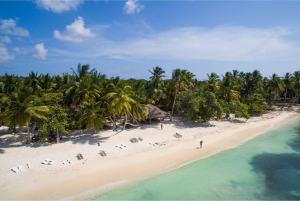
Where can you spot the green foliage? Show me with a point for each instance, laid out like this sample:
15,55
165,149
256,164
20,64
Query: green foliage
198,105
235,107
57,118
257,104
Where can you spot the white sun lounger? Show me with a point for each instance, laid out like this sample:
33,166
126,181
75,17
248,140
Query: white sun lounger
69,161
29,165
50,163
124,145
64,162
21,168
15,169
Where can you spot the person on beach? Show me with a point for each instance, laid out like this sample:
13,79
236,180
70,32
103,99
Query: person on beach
161,126
201,142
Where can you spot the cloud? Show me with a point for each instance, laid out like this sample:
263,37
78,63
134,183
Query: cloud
5,39
40,51
59,6
132,6
224,43
75,32
5,56
10,27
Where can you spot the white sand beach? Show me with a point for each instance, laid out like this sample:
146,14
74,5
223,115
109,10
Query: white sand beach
120,165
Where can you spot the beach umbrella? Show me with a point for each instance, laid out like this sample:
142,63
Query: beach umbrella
154,112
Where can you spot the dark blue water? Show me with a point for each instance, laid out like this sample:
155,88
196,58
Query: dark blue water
264,168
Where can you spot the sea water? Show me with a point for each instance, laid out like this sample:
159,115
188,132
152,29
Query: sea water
264,168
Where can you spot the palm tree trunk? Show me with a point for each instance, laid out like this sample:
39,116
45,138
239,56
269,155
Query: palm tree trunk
125,119
285,95
114,123
94,130
173,106
28,134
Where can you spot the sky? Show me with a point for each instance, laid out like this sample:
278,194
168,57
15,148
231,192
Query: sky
127,38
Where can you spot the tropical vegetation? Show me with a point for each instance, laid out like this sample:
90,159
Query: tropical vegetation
87,99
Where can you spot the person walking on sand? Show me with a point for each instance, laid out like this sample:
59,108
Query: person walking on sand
161,126
201,142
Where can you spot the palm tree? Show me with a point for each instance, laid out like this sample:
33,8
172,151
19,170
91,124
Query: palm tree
92,115
120,99
276,84
182,80
23,108
296,84
81,91
156,84
82,71
287,80
157,72
213,82
33,81
228,90
46,83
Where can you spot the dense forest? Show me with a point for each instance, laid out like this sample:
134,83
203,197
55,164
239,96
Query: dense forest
88,99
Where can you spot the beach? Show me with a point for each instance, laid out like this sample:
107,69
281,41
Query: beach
121,165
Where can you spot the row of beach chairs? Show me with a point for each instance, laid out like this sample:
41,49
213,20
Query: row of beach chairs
48,161
21,168
68,161
134,140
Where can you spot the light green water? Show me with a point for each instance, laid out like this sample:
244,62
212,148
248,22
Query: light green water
264,168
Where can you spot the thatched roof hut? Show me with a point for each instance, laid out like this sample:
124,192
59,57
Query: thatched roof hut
154,112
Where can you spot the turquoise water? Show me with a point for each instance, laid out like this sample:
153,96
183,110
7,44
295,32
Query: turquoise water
264,168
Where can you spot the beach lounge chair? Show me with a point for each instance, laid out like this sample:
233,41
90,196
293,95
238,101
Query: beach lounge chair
21,168
102,153
79,156
29,165
15,169
69,161
64,162
124,145
177,135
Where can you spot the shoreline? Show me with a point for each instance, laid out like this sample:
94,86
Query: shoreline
140,161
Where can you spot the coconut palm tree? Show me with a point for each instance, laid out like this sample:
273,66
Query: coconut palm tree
182,80
213,82
81,91
22,109
155,86
287,80
228,90
92,115
82,71
276,84
120,100
296,84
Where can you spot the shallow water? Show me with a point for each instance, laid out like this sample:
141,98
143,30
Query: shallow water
264,168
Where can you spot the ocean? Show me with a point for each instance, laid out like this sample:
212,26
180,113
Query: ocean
264,168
